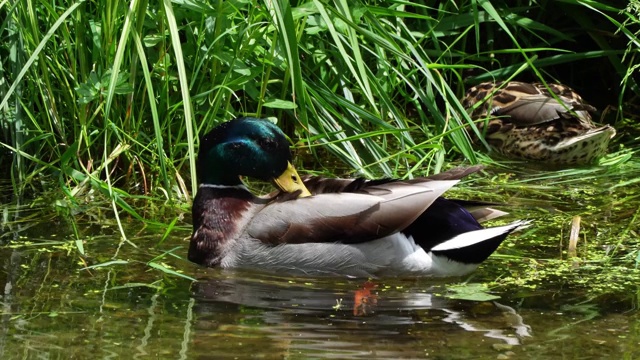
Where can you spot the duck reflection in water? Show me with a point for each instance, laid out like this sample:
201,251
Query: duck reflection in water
303,313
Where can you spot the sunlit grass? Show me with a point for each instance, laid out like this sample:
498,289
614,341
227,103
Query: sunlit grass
106,99
376,85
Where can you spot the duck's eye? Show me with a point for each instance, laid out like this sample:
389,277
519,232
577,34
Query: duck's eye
265,143
294,178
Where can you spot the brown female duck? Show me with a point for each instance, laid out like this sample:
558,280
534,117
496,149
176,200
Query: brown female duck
532,122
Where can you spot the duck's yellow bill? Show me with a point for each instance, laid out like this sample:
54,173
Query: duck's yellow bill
290,182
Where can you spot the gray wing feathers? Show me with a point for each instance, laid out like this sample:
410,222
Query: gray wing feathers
346,217
538,109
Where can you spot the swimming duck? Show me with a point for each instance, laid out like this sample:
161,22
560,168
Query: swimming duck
323,226
525,121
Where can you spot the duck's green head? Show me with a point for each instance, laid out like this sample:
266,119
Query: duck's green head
251,147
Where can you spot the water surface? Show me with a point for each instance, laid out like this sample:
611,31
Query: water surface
53,306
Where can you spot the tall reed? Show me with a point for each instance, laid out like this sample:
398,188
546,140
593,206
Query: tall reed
110,97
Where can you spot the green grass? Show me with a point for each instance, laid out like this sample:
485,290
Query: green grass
118,92
107,98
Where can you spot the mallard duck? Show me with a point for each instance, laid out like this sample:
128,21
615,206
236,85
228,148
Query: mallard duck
526,121
319,226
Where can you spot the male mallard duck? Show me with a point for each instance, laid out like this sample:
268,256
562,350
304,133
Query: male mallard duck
350,227
526,121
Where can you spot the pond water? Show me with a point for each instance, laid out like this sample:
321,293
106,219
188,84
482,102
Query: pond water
56,303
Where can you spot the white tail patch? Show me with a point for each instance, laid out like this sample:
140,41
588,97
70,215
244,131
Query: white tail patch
478,236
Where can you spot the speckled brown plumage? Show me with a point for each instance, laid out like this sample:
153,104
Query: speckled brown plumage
525,121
